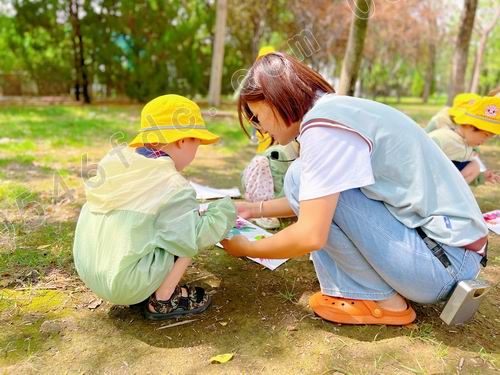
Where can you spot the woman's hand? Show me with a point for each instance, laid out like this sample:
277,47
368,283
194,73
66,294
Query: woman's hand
237,246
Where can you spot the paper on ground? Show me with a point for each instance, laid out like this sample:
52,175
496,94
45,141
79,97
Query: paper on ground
492,219
254,233
207,192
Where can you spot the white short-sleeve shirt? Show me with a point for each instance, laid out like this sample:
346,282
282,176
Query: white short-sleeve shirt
333,160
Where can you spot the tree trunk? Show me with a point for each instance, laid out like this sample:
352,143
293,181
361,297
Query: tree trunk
478,61
75,56
354,50
459,64
218,54
81,69
429,74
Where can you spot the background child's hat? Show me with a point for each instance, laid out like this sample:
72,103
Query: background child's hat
169,118
484,114
462,101
265,50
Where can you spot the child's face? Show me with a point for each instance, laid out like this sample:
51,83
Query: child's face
473,136
270,122
186,151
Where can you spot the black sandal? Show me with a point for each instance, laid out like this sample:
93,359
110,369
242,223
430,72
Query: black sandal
196,302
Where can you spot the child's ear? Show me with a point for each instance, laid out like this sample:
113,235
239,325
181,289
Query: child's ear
179,143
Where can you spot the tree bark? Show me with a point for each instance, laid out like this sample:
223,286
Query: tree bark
429,74
478,61
81,69
75,54
218,54
459,64
355,44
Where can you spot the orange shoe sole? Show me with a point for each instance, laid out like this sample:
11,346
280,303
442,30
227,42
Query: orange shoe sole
352,311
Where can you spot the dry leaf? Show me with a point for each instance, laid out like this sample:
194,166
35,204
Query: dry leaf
223,324
222,358
94,304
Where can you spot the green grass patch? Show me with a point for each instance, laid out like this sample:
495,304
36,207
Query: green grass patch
23,159
18,146
15,194
40,249
232,137
74,126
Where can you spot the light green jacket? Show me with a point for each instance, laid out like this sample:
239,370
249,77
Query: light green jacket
140,212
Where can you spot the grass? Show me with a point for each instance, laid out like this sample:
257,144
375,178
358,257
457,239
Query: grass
38,143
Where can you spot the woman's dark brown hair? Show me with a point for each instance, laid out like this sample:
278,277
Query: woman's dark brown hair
288,85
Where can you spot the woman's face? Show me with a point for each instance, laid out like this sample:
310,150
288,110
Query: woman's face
270,122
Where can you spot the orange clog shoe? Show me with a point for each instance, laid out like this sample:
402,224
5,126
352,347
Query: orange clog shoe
352,311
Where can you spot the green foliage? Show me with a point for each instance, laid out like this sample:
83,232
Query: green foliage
417,86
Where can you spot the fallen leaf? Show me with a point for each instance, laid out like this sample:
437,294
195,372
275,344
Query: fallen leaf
223,324
222,358
94,304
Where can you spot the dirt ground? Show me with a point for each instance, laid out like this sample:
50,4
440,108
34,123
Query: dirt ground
51,323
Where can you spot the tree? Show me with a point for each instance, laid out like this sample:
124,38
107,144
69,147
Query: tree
459,64
354,51
484,31
218,54
81,76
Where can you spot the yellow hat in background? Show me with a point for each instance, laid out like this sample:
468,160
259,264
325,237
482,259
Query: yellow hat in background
265,140
484,114
462,101
169,118
265,50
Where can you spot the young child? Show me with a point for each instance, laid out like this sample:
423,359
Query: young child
444,118
141,224
262,179
475,125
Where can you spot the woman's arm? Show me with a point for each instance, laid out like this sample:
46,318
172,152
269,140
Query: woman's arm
309,233
273,208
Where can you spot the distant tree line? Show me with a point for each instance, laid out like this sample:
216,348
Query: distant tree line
139,49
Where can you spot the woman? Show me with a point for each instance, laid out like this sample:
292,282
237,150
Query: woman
368,189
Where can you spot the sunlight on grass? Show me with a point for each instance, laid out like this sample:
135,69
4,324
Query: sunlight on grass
12,194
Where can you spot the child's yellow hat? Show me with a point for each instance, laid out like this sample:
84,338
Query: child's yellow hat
462,101
484,114
264,51
169,118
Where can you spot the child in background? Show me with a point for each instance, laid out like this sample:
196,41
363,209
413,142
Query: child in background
475,125
263,177
444,118
141,224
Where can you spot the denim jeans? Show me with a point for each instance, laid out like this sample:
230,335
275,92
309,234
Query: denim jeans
371,255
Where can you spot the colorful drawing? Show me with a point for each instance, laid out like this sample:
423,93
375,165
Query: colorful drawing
254,233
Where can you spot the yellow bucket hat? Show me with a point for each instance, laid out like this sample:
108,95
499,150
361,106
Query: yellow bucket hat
264,51
484,114
169,118
462,101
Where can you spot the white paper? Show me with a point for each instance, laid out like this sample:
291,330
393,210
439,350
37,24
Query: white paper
207,192
254,233
482,167
492,220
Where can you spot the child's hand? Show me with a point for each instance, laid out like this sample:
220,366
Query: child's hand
247,210
492,177
236,246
